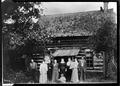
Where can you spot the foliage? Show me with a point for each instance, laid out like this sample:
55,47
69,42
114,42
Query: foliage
22,29
105,40
20,22
11,76
105,37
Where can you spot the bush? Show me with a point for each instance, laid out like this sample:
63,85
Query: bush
11,76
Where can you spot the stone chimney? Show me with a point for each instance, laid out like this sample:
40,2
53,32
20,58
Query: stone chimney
105,6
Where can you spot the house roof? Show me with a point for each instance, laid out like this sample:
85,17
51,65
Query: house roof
77,24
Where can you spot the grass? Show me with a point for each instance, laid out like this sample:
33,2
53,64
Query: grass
99,77
11,76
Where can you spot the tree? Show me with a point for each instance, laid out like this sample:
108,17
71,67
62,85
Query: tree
18,18
22,24
105,40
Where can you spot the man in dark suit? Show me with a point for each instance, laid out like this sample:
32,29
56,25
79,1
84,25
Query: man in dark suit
33,67
82,68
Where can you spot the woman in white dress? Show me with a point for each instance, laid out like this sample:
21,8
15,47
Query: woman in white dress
74,67
43,73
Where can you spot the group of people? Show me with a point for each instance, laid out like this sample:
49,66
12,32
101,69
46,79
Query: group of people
71,71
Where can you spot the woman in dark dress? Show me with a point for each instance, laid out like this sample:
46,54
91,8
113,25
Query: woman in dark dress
79,69
62,67
69,71
55,71
50,67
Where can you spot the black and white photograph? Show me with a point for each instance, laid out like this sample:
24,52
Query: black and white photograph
59,42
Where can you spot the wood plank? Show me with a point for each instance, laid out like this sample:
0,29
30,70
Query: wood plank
98,63
94,70
98,67
95,60
89,67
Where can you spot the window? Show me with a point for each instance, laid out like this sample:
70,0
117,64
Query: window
89,60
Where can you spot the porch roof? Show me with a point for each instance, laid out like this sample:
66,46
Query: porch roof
66,52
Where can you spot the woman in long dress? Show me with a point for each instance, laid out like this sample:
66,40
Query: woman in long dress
69,71
50,71
43,73
62,67
55,71
74,66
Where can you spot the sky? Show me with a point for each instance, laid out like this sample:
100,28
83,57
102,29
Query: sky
51,8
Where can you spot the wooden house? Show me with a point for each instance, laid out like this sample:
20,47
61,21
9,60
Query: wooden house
70,36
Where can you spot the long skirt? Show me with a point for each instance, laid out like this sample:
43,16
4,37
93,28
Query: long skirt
62,71
37,76
74,77
55,76
49,74
33,72
43,78
79,74
69,74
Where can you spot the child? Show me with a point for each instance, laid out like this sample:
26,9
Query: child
62,79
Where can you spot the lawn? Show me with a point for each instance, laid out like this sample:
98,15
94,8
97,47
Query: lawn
22,77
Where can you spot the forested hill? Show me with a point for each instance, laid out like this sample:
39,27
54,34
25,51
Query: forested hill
77,24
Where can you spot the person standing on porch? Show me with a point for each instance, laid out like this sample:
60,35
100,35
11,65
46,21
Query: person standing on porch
55,71
49,72
43,73
62,67
83,69
69,71
74,67
79,69
33,67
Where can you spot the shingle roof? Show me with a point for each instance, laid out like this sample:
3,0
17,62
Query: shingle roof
77,24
